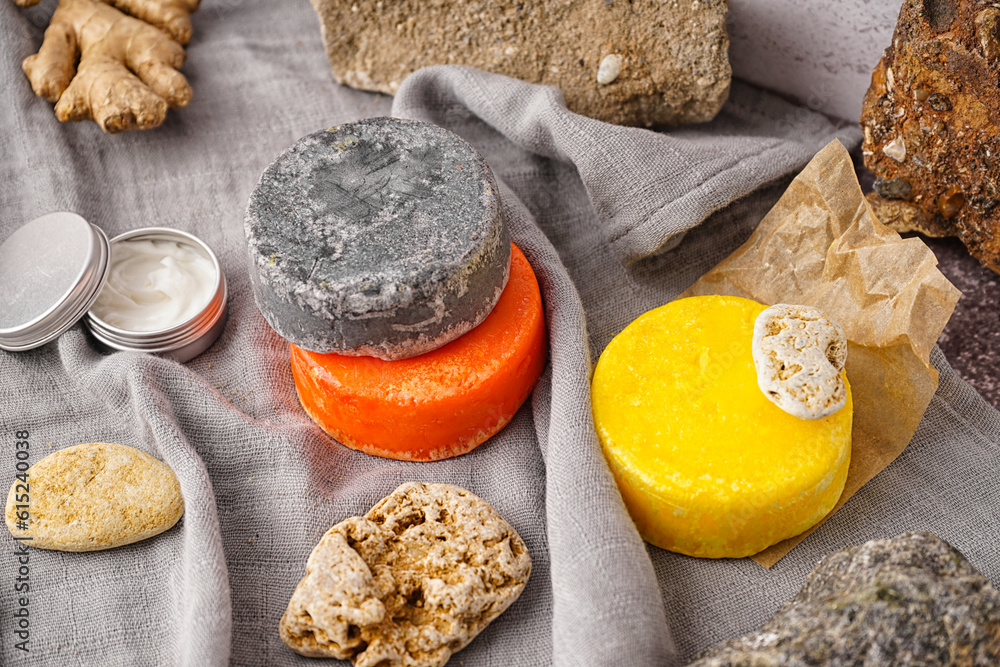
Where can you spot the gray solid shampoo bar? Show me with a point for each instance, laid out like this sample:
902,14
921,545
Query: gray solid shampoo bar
382,237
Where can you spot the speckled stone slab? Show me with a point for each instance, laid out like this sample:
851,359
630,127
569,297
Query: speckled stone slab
634,62
382,237
911,600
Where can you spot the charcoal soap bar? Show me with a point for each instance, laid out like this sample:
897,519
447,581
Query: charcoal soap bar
382,237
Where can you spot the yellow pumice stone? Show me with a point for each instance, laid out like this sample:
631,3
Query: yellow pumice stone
706,464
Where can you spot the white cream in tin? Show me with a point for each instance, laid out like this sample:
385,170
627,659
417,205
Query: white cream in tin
155,284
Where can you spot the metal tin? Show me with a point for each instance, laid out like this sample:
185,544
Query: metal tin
51,271
185,340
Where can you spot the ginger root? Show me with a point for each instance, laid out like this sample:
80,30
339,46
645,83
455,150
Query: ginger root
127,73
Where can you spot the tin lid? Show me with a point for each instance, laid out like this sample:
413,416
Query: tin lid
51,271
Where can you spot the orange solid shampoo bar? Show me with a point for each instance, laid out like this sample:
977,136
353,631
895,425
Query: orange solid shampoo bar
439,404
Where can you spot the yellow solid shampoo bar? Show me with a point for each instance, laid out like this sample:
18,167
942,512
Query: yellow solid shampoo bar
706,464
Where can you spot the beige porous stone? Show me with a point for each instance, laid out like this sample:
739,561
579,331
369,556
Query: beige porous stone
93,496
410,583
631,62
799,354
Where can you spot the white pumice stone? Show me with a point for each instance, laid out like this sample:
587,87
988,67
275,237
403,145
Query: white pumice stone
799,354
408,584
609,69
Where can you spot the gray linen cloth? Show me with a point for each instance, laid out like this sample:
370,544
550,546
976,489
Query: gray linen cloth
596,208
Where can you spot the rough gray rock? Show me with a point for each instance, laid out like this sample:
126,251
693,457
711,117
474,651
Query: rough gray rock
382,237
631,62
931,121
911,600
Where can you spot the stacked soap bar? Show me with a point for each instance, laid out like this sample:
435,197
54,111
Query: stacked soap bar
376,248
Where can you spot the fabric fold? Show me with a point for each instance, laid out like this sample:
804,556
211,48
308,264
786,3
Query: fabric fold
599,563
646,187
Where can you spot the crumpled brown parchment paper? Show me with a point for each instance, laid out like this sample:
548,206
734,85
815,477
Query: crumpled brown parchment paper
822,246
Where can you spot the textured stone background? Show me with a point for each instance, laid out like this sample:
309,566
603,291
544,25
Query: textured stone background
820,53
971,340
